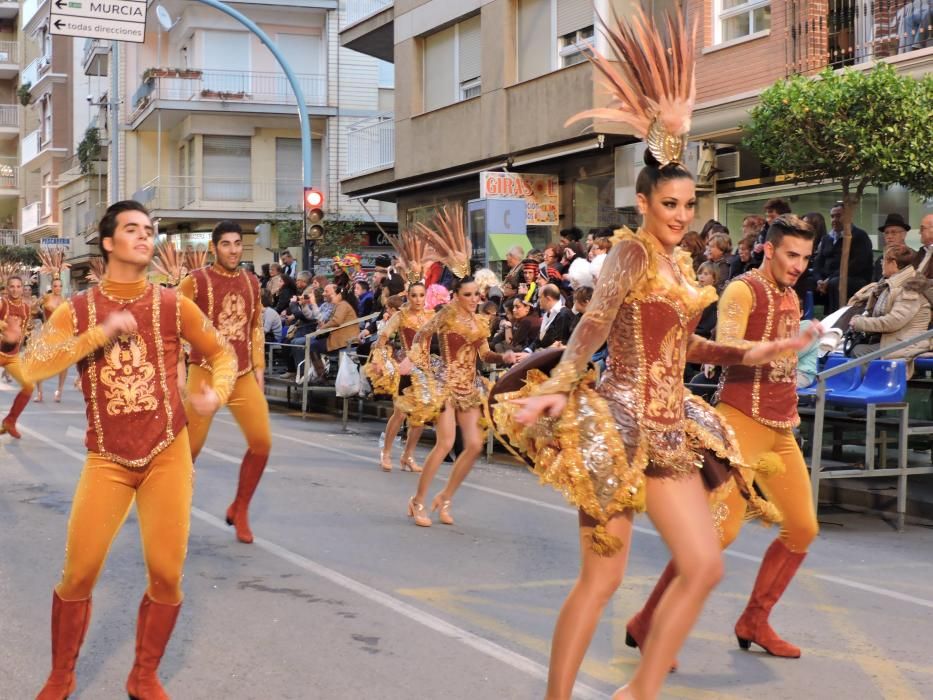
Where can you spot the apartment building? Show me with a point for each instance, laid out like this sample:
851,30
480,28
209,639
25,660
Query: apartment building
486,85
209,125
10,117
748,46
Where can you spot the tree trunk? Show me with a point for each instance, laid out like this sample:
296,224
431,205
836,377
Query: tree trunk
849,202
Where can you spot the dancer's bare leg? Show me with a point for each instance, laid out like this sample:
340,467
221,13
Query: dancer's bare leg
392,427
446,428
679,509
598,580
472,437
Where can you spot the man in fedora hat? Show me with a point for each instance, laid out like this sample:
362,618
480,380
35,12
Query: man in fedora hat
894,229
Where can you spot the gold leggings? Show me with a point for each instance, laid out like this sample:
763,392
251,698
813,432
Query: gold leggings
788,490
14,368
102,501
248,405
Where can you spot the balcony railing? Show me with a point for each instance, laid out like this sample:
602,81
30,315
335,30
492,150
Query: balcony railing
9,116
230,86
30,217
9,52
30,146
30,8
371,144
9,174
206,193
856,31
9,236
360,9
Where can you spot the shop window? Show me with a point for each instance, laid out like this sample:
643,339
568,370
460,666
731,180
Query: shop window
736,19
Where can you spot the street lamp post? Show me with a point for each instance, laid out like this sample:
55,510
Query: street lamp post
303,120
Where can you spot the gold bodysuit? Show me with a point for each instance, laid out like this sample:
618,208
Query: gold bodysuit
382,368
463,339
639,420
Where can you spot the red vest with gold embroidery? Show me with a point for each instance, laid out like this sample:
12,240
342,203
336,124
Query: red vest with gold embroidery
134,409
10,311
767,393
229,301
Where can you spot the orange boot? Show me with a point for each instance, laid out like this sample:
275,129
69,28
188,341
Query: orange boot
251,470
636,631
70,619
777,569
153,629
19,404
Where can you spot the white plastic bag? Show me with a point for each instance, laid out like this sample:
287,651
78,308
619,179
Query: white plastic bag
366,387
348,377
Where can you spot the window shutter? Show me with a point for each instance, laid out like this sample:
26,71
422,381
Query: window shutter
439,69
471,41
227,168
573,15
535,41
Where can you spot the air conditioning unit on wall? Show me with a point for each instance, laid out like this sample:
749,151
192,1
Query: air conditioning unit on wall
727,166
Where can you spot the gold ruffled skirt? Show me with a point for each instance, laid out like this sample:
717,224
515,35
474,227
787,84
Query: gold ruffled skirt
598,456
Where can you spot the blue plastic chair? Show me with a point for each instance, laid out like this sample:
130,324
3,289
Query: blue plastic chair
884,382
923,364
844,382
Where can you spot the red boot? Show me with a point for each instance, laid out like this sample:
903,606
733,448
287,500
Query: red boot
777,569
636,631
19,404
153,629
251,470
70,619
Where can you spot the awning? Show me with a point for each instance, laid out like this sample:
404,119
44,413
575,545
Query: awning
499,244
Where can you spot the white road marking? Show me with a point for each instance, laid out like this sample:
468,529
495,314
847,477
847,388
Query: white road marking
73,432
868,588
232,460
480,644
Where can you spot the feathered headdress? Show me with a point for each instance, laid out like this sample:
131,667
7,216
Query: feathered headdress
97,269
169,263
8,269
53,262
412,252
651,81
195,257
448,238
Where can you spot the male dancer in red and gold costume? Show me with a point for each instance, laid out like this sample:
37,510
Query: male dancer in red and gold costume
126,336
760,403
229,297
15,311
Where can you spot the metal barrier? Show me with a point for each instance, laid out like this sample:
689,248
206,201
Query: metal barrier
307,347
818,473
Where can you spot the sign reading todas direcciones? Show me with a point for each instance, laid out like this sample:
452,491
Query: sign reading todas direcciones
117,20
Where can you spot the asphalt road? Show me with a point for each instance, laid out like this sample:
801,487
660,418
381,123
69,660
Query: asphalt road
342,597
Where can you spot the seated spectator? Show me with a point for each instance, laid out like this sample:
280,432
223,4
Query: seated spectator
513,265
773,208
528,288
364,298
709,275
894,229
488,285
578,267
896,307
373,327
271,321
581,299
288,289
752,225
522,330
718,250
568,236
303,317
741,262
603,245
828,261
437,295
556,319
554,257
344,312
490,310
807,359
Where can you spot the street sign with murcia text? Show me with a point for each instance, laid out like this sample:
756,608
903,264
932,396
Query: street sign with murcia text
116,20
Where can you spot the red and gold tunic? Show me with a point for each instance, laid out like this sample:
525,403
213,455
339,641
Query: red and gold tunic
382,368
17,312
231,301
639,420
48,304
464,339
134,409
754,309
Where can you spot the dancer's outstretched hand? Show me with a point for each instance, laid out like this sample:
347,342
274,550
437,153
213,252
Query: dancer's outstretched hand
762,353
205,402
550,405
119,323
404,367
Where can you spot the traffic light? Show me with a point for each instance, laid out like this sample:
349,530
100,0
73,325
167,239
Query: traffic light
314,213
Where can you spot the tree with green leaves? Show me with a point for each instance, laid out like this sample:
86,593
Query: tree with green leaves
858,128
